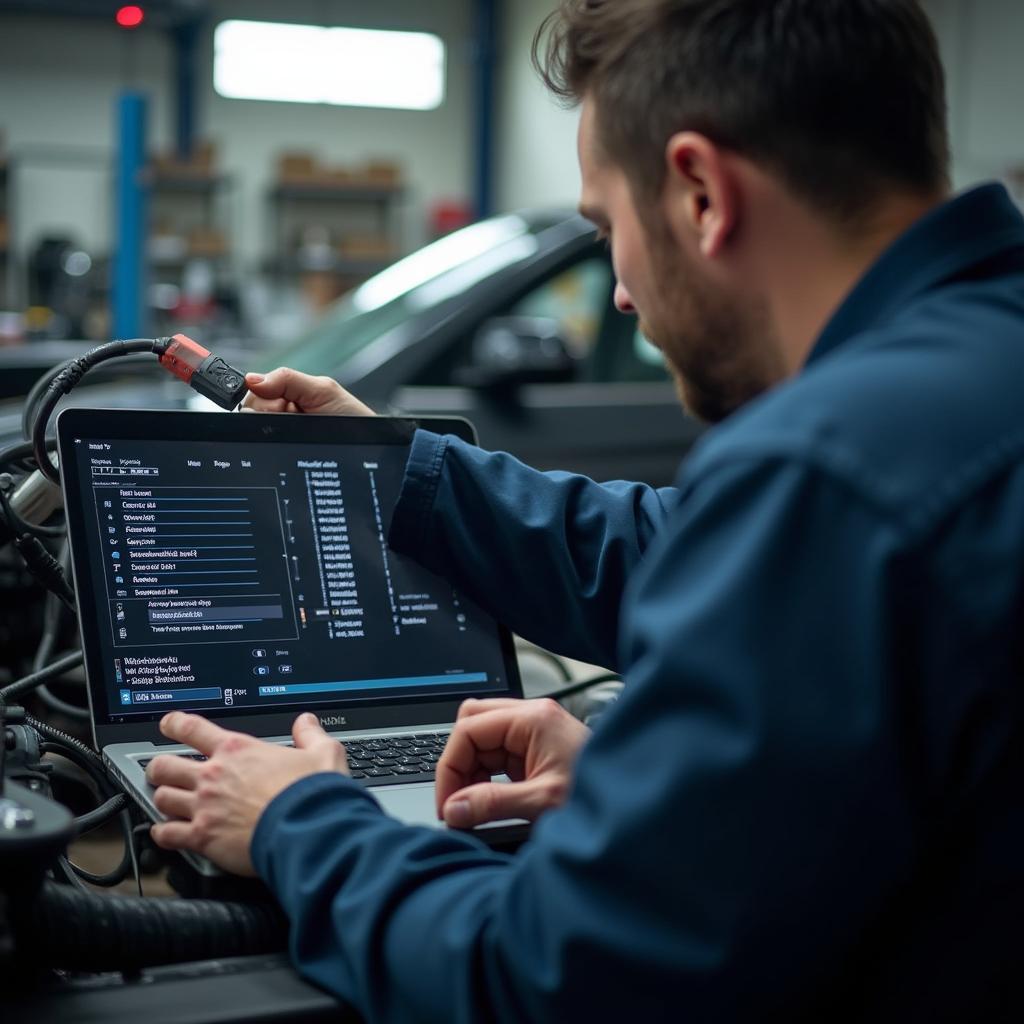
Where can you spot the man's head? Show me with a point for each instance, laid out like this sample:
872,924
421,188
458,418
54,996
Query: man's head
707,124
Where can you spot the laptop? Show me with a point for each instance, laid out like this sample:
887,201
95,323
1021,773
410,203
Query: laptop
237,566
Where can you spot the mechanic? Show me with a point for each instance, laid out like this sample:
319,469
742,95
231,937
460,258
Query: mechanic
809,799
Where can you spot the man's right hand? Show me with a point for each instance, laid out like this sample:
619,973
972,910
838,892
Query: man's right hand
285,390
534,742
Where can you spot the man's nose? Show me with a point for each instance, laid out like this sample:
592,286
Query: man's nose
623,300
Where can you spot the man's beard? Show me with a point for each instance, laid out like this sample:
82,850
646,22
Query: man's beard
719,348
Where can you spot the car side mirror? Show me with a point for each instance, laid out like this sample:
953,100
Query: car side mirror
514,350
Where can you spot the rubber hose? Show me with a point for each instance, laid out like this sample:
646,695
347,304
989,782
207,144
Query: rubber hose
72,930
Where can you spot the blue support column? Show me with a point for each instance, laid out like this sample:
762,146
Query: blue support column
129,278
186,45
485,52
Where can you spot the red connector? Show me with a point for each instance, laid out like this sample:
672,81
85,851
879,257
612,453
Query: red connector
206,373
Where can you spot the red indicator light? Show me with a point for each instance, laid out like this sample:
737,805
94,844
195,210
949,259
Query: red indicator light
130,16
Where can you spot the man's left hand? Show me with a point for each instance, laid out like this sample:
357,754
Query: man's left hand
215,804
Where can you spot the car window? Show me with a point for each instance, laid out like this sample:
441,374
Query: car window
622,353
577,298
609,344
414,284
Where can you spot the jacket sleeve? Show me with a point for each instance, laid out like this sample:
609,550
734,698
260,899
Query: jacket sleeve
738,821
547,554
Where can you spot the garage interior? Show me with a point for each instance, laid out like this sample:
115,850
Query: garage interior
383,194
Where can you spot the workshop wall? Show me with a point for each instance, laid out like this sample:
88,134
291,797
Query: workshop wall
536,143
433,147
981,49
59,78
980,41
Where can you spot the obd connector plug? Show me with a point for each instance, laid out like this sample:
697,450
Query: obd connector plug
211,376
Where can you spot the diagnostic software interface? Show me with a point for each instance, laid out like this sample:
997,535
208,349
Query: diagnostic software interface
229,576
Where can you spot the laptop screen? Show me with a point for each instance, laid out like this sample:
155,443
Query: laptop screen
238,565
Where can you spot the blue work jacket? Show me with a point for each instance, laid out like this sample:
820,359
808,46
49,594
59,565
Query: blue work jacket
809,801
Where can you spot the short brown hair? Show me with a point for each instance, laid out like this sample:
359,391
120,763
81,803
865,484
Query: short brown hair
841,99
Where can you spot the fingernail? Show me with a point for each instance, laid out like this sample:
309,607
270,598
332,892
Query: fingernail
308,718
255,378
457,814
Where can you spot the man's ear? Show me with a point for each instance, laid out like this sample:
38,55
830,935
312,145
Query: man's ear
700,191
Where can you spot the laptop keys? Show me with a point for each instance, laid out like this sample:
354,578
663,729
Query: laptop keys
189,757
384,760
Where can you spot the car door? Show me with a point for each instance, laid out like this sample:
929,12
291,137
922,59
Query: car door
614,415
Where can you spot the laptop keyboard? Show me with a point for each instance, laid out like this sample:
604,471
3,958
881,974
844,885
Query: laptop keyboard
383,760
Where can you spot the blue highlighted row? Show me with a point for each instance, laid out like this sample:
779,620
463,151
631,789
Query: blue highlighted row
170,696
372,684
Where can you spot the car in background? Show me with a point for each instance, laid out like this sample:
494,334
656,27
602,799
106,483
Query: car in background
509,322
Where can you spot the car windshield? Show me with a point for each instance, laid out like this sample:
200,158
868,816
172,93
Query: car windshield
439,271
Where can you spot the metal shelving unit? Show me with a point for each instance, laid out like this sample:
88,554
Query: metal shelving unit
342,211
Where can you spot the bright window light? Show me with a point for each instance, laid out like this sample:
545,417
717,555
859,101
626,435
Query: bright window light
262,60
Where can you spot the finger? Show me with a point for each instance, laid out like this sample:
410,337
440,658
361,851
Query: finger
171,770
196,731
254,403
292,386
307,731
493,801
175,803
475,706
478,743
174,835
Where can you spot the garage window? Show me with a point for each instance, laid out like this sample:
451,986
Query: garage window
261,60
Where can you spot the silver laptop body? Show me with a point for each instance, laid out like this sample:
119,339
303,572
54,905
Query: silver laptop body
236,566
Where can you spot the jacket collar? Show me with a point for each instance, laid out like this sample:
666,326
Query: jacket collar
945,243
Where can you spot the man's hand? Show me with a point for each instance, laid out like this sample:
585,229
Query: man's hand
285,390
217,803
534,742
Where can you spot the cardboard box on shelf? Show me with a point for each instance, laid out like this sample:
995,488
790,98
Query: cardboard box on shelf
382,172
207,242
204,154
296,166
300,168
200,164
366,247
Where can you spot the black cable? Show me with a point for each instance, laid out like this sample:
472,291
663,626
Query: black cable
51,626
87,759
583,684
45,568
28,411
137,832
63,707
34,679
101,815
67,870
47,642
118,874
135,860
94,769
20,451
63,380
3,742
